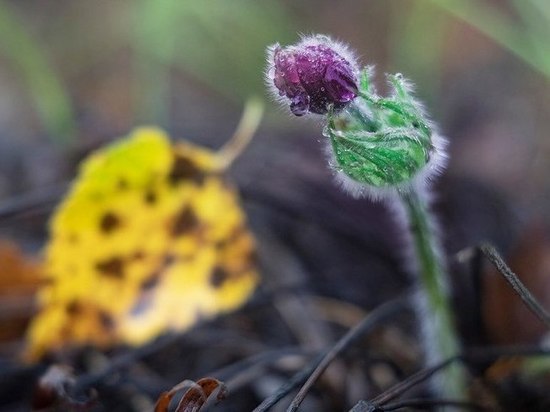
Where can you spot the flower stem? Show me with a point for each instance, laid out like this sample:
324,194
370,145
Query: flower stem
434,307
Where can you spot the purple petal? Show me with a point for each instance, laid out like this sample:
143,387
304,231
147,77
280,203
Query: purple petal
340,83
313,76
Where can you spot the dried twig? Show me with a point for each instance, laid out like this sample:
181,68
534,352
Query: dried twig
381,313
195,397
312,371
413,380
295,381
538,310
473,355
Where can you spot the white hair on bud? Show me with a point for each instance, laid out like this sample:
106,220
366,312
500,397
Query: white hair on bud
339,47
269,75
438,156
353,187
423,178
435,166
404,199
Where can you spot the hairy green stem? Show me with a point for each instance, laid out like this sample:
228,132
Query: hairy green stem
435,308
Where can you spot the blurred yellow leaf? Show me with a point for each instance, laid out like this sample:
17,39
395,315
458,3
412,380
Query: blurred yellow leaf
151,238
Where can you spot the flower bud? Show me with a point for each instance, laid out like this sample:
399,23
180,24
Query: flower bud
397,150
313,75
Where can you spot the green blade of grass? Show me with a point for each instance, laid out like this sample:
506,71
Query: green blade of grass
499,28
419,24
154,34
49,96
219,44
537,26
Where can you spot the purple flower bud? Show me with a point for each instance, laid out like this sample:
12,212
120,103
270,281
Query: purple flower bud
313,74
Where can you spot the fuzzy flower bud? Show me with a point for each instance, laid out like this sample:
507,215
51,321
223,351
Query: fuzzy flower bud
313,75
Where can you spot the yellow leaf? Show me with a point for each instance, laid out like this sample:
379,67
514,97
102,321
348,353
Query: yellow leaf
150,238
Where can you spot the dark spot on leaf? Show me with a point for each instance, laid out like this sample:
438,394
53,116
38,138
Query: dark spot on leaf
65,332
169,259
184,222
415,125
235,234
73,308
47,280
184,169
111,267
122,184
106,320
138,255
153,279
150,197
109,222
222,244
150,282
218,276
72,238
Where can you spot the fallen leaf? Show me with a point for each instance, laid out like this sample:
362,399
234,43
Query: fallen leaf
194,397
19,279
151,238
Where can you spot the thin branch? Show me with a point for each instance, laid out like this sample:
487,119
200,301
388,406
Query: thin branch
365,406
296,380
413,380
473,355
381,313
538,310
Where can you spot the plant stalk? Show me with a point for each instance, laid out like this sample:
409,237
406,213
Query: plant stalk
434,306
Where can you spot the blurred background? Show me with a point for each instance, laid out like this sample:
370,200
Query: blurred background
75,74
